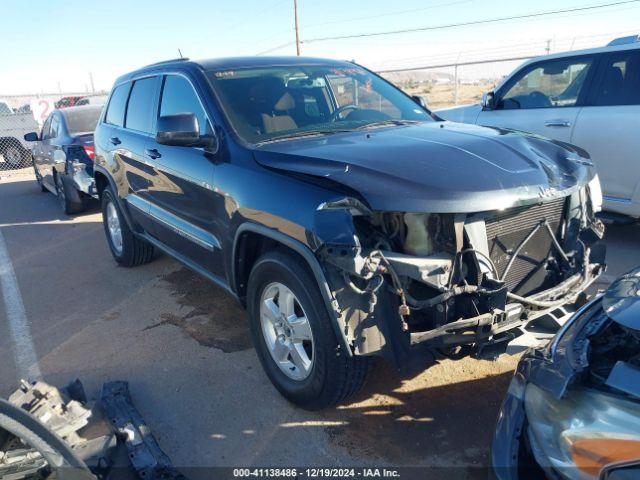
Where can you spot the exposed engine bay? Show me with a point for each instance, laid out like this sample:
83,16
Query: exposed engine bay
466,284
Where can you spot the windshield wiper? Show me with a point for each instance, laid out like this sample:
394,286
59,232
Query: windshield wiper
383,123
307,133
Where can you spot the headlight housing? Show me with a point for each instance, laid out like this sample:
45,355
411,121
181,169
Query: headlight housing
582,433
595,194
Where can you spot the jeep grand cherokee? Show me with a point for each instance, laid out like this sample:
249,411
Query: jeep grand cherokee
347,218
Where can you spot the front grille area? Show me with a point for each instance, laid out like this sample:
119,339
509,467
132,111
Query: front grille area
506,230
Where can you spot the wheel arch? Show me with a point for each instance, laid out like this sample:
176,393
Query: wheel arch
252,240
103,180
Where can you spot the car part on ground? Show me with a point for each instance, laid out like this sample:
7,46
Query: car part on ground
573,407
149,461
48,432
411,230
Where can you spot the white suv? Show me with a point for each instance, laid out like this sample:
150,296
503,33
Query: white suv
590,98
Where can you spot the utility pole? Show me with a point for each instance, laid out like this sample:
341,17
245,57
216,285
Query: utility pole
295,14
93,88
548,49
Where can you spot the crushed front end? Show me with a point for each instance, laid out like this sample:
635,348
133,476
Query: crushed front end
466,284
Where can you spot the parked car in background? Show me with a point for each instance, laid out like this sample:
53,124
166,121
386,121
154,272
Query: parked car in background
63,155
573,408
92,100
14,151
345,217
66,102
590,98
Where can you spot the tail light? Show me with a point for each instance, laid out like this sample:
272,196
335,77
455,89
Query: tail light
90,151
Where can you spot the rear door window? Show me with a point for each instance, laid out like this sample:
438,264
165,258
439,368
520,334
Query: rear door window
115,110
619,82
551,84
178,96
141,103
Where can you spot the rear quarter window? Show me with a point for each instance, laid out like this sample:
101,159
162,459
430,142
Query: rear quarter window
117,104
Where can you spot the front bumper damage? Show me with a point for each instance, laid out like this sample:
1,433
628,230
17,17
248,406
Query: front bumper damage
375,289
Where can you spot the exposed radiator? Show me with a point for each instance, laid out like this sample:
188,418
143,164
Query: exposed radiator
506,230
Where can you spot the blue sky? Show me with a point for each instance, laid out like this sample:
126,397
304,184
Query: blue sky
50,42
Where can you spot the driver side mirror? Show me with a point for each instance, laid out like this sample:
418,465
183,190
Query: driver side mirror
31,137
182,130
420,100
488,99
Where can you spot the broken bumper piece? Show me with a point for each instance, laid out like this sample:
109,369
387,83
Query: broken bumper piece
46,430
149,461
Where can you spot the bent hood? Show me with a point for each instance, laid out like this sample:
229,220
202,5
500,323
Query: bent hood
438,167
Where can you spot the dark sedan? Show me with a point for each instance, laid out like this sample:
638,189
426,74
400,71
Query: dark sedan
63,155
573,408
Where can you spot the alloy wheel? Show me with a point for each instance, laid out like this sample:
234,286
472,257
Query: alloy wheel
287,331
62,199
114,228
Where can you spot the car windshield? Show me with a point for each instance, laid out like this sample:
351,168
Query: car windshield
81,120
277,103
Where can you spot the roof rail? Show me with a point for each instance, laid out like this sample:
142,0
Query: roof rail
181,59
624,41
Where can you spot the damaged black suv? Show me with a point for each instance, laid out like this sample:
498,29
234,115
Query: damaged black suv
347,218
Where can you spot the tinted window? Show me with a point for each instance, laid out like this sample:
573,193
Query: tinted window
620,84
556,83
81,120
139,109
115,112
178,96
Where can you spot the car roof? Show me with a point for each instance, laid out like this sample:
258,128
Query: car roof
589,51
231,63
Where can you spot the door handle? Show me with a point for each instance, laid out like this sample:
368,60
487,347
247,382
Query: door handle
557,123
152,153
115,140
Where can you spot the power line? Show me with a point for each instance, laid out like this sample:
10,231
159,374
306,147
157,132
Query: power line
474,22
388,14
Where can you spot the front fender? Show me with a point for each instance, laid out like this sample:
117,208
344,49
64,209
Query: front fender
311,261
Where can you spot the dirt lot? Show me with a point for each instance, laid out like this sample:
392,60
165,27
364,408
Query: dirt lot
442,96
184,346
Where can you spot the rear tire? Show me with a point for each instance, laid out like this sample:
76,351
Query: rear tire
127,249
333,375
15,155
68,197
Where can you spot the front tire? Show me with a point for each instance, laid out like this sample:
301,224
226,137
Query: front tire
294,337
127,249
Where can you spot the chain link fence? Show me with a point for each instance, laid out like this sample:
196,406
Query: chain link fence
22,114
448,85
